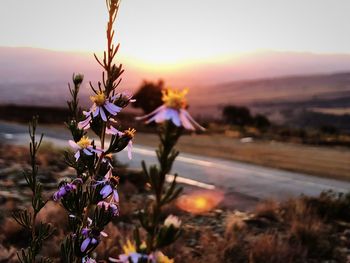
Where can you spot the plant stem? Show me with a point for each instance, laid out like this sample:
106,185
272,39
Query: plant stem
169,135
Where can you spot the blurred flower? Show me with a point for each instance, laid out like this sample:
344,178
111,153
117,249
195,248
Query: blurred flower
84,145
174,109
172,220
143,245
130,255
65,189
101,104
161,258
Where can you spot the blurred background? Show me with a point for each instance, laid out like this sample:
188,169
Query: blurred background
270,81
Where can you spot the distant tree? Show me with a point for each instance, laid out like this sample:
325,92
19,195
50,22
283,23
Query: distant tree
237,115
149,96
261,122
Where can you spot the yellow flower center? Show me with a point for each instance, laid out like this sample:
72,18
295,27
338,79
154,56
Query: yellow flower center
175,99
99,98
129,248
84,142
130,133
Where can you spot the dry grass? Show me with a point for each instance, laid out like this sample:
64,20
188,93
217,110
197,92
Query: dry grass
268,209
270,247
321,161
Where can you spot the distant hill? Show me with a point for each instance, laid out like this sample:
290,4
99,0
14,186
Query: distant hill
279,84
319,90
301,101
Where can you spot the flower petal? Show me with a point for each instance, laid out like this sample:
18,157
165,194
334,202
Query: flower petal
175,117
77,155
106,191
185,122
87,152
85,124
113,131
85,244
103,114
192,120
96,111
151,114
130,149
162,116
104,234
115,196
74,145
113,109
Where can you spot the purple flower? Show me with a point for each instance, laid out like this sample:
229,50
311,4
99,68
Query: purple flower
109,182
65,189
92,237
130,133
109,206
84,145
113,131
174,110
101,106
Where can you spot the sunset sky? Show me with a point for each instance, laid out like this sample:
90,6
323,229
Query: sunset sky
164,32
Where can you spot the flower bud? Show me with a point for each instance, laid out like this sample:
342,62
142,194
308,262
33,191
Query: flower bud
78,79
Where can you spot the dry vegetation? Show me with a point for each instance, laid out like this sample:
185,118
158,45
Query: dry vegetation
305,229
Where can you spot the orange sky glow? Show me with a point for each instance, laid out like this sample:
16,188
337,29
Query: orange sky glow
167,35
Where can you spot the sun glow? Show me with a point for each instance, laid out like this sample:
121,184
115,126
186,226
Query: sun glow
200,202
166,36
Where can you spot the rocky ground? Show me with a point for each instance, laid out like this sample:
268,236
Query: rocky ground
217,227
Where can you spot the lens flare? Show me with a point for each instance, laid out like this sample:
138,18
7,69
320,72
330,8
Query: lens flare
200,202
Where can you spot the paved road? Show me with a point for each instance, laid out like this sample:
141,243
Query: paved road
248,179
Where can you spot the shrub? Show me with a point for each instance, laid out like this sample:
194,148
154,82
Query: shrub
331,205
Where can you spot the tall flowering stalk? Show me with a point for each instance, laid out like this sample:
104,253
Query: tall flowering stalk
91,198
39,231
172,118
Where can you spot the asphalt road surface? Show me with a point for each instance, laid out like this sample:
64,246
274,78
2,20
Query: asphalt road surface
208,173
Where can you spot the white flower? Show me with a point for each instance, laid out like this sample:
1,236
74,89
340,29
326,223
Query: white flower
172,220
174,109
99,108
83,145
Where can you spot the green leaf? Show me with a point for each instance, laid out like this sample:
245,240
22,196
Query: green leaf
24,218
